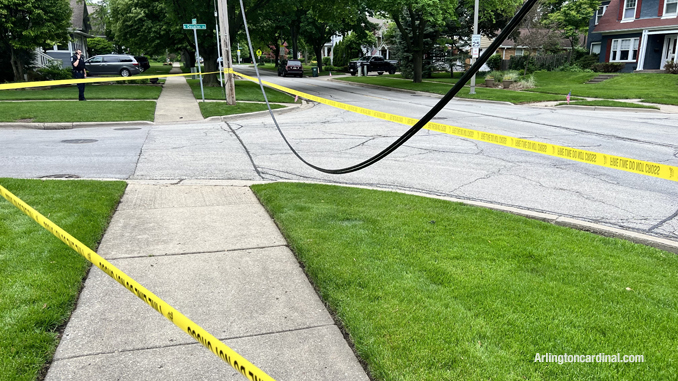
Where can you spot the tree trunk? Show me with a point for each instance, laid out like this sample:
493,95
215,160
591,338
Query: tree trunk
527,62
188,58
277,52
318,55
417,62
295,38
210,56
17,67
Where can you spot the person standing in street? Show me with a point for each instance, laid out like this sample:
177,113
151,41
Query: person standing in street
79,72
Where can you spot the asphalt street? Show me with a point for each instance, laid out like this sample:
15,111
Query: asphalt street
431,162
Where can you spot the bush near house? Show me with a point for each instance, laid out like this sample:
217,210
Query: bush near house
53,72
494,62
608,67
671,67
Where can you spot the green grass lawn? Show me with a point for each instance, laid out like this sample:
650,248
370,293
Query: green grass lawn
157,69
91,92
209,109
607,103
244,91
653,88
74,111
434,290
515,97
41,276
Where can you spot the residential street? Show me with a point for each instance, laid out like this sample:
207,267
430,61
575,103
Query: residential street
431,162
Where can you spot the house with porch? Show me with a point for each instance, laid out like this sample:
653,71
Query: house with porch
78,33
641,34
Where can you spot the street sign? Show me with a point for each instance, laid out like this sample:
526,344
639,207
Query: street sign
258,52
475,45
195,26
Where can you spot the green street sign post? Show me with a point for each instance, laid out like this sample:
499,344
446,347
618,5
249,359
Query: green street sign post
195,26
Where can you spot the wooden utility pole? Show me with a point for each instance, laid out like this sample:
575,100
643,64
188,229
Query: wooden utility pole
226,52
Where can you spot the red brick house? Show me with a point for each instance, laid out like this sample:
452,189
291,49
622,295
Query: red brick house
642,34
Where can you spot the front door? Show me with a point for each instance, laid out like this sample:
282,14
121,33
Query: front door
669,52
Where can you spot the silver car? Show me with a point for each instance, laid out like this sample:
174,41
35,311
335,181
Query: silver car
115,64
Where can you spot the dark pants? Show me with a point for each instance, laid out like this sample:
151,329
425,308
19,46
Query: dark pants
81,86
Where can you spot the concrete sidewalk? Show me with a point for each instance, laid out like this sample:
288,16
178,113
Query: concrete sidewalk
176,102
210,250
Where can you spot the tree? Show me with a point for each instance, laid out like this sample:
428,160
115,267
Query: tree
421,14
533,35
27,24
571,17
99,45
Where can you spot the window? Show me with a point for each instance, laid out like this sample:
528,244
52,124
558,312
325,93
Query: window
600,12
595,48
624,50
519,52
670,7
629,9
112,59
97,59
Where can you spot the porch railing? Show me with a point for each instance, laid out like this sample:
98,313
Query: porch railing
43,60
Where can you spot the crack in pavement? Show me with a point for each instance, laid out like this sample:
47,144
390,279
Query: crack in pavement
662,222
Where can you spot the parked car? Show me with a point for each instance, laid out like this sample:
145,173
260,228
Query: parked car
373,63
143,63
292,67
116,64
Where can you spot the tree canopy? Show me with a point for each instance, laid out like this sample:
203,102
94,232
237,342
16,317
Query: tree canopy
27,24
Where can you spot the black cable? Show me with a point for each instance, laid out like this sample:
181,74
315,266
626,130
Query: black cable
429,115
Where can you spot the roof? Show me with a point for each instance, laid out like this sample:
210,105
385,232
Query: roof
609,22
79,19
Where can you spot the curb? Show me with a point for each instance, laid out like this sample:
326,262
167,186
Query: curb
250,115
71,125
605,108
569,222
421,93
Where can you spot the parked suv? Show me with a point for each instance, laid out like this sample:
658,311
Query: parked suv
292,67
121,64
144,64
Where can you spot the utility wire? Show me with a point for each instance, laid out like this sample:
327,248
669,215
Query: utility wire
527,6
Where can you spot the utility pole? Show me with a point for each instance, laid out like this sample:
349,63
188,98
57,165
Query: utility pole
221,71
474,52
226,52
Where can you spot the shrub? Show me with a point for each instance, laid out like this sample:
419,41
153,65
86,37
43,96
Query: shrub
587,61
53,72
570,68
671,67
608,67
511,76
525,83
327,61
494,62
498,76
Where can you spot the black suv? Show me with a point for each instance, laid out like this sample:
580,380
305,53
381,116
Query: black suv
121,64
143,63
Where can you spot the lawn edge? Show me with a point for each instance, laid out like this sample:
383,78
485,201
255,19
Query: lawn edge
333,314
554,219
42,373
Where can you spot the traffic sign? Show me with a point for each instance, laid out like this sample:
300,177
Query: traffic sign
258,52
195,26
475,45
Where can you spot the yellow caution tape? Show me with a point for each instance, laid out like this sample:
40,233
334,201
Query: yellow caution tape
647,168
25,85
210,342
